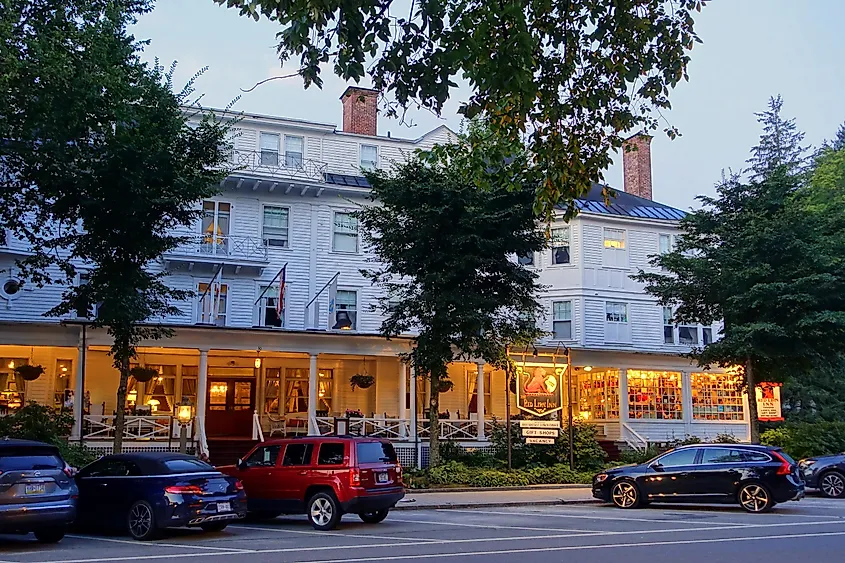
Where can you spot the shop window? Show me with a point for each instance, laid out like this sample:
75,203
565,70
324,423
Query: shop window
716,396
160,391
562,320
615,248
560,246
598,394
654,395
472,386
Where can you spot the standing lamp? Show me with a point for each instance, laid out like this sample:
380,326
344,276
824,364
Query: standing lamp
184,414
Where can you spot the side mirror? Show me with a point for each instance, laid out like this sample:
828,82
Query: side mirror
240,464
657,466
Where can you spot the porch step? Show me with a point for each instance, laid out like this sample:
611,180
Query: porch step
226,451
611,448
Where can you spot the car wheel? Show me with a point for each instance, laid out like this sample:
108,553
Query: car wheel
832,484
142,521
323,511
50,535
214,526
755,498
625,494
374,517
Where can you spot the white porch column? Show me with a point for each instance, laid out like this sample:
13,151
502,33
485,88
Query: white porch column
479,402
623,405
413,414
312,396
202,398
79,389
403,391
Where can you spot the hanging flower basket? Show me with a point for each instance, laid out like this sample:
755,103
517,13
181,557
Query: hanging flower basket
354,413
28,372
361,380
445,385
143,374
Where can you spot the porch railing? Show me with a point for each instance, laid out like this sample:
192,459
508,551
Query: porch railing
228,246
400,429
633,438
101,427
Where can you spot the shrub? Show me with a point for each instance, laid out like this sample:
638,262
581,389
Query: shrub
807,439
44,424
589,455
637,457
453,473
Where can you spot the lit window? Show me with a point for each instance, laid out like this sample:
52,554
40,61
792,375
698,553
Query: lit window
716,396
269,315
654,395
347,309
212,304
296,391
160,391
598,395
369,157
668,327
560,246
614,238
562,320
63,392
615,249
617,328
190,375
345,233
269,149
294,149
275,226
472,386
272,384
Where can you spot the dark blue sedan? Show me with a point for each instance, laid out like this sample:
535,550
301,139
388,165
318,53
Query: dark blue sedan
147,492
825,473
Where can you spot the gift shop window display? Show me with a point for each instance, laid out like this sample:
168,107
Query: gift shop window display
598,394
654,395
12,386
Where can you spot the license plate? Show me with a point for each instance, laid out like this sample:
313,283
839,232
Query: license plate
381,477
39,489
224,507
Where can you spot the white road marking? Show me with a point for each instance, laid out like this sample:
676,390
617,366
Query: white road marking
157,544
571,548
584,516
493,527
335,534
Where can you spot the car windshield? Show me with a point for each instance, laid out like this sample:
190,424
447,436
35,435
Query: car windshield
376,452
187,466
27,461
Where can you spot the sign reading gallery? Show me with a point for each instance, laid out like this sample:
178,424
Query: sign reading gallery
538,389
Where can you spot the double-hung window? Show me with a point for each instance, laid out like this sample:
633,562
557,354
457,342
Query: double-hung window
665,245
617,327
369,157
269,313
615,248
346,302
294,150
212,304
688,335
562,320
274,229
668,327
269,155
345,232
560,245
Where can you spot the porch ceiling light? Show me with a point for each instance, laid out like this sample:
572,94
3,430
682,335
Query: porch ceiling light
185,411
12,364
588,368
343,321
257,363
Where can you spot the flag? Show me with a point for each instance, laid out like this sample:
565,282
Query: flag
331,317
280,302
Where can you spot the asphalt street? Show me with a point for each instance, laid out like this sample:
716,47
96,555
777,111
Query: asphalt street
811,529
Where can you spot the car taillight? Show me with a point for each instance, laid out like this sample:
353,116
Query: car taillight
183,490
785,467
398,469
239,486
354,477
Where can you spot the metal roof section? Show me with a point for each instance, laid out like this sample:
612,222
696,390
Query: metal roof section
347,180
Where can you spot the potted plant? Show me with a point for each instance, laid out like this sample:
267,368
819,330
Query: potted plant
363,381
29,372
445,385
143,374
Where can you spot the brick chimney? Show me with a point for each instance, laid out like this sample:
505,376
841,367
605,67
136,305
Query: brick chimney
359,110
636,160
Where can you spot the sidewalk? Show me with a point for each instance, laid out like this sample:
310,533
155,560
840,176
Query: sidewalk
421,500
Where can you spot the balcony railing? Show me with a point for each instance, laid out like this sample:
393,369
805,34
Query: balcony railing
279,164
220,246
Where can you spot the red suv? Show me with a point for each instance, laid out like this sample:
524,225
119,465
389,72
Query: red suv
322,477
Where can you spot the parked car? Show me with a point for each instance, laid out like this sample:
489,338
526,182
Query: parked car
147,492
37,491
826,473
322,477
757,477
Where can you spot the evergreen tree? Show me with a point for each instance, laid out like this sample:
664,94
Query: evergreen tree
780,144
838,142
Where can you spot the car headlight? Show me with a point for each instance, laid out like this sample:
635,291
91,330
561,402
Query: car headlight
601,477
806,463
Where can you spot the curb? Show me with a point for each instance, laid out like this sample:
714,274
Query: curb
464,505
482,489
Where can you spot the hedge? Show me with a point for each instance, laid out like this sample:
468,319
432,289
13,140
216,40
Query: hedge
453,473
806,439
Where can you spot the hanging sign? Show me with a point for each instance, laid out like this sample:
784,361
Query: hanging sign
540,432
546,441
539,424
538,388
768,402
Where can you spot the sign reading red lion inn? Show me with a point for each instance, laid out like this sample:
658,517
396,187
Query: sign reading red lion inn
539,389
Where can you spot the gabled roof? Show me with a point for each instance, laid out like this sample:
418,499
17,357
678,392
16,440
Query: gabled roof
623,204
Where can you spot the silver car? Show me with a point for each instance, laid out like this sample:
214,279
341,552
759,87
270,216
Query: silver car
37,491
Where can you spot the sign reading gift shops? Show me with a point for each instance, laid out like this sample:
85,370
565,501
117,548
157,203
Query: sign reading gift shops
538,389
768,402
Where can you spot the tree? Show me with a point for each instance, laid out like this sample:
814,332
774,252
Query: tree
765,257
442,246
838,142
573,78
780,144
106,173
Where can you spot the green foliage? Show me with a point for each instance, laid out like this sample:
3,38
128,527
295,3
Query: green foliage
43,424
804,439
765,257
454,473
780,144
641,456
589,455
570,80
443,248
